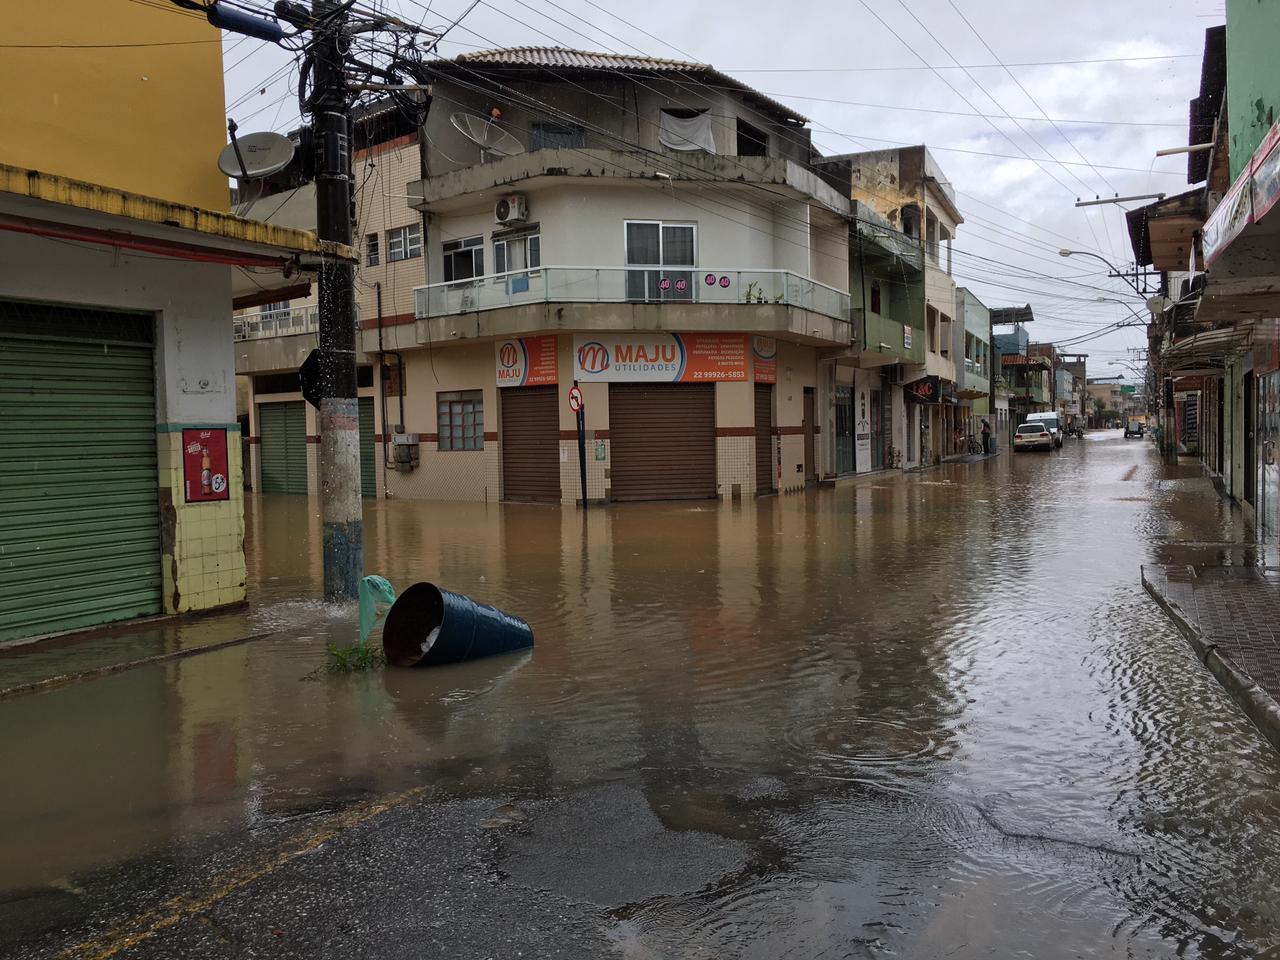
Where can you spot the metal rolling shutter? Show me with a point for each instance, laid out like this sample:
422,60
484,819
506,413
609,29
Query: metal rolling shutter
662,439
79,489
530,444
764,438
283,429
368,450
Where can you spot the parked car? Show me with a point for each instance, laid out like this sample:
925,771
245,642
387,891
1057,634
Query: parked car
1134,428
1033,436
1052,422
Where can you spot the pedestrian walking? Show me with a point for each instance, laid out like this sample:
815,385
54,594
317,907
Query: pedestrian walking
986,438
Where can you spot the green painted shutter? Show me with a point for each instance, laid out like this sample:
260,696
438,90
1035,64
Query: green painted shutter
368,465
79,489
282,428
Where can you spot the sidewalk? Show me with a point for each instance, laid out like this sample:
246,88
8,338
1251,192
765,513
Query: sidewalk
1231,616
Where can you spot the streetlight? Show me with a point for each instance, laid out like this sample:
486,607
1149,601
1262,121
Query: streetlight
1064,252
1136,315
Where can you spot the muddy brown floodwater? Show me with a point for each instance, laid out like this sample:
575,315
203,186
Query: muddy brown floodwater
936,714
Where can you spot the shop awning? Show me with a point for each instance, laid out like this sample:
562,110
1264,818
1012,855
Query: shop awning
267,262
1213,349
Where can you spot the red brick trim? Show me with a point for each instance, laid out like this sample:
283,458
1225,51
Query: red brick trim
385,146
735,431
793,431
591,434
428,438
255,439
313,438
490,437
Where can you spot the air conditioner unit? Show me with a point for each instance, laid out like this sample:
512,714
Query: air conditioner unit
513,208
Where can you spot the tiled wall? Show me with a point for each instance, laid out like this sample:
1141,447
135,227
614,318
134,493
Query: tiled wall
735,467
597,470
203,543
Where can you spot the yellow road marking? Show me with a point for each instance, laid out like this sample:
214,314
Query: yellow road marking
147,925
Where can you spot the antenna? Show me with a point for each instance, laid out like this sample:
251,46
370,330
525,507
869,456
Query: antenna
483,132
255,156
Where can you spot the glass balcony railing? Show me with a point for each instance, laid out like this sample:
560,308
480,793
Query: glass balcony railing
276,322
631,285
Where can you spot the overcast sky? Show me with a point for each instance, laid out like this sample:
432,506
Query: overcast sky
1110,116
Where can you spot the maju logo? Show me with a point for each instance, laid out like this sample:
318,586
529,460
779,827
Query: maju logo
593,357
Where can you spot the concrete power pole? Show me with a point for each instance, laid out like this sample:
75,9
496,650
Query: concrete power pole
340,494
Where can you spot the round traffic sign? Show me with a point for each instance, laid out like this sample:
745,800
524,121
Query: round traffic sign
575,399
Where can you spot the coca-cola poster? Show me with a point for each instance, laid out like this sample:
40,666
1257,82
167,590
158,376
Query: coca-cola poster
204,465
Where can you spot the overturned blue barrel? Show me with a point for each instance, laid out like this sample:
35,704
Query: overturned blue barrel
427,626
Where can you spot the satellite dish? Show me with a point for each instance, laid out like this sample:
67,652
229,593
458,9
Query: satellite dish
484,133
261,154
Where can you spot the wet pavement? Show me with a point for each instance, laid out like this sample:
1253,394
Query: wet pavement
932,715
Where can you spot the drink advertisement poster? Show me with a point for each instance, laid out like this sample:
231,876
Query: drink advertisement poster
204,465
660,357
526,361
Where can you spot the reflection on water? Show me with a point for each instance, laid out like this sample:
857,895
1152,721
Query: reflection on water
938,710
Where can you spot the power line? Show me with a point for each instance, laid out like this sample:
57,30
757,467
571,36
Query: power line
970,66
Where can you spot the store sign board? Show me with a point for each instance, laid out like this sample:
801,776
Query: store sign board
526,361
659,357
924,390
205,472
1233,214
764,359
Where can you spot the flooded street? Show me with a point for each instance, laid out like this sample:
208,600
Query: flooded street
924,716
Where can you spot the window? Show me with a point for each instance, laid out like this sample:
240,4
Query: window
517,253
404,243
875,296
460,416
931,321
651,243
371,250
463,259
556,136
686,130
752,141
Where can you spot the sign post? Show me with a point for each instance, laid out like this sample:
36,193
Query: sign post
577,405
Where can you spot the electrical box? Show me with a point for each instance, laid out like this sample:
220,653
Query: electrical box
404,451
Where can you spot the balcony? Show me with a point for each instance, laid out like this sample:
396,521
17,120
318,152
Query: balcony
1033,393
276,322
643,285
683,299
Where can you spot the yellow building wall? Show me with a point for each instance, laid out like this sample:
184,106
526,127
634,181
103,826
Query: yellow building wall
146,118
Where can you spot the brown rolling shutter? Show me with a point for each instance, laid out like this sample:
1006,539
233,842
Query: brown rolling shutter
764,438
662,439
530,444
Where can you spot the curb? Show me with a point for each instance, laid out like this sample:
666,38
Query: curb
1257,704
62,679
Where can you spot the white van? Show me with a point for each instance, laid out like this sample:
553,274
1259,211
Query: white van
1051,421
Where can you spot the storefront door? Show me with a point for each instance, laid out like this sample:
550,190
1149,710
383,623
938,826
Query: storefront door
878,433
1268,430
844,428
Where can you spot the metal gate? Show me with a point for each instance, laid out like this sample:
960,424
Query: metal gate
282,428
764,438
662,439
810,428
844,429
368,450
530,443
79,488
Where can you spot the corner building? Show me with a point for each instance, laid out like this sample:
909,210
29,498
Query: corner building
655,231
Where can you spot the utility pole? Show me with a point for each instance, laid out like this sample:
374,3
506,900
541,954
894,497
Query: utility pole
340,504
